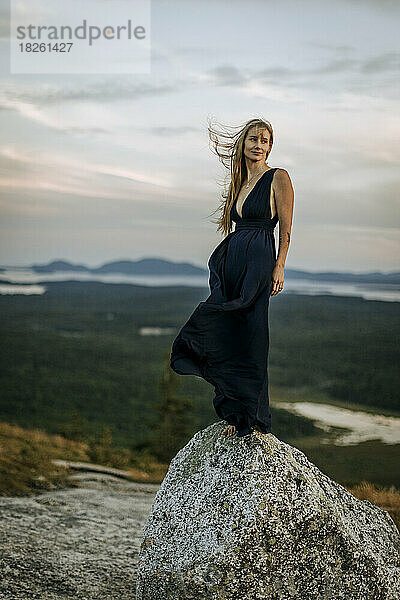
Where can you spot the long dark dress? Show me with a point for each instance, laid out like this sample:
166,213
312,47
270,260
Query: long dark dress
226,339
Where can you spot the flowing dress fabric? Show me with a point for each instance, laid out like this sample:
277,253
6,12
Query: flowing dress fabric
226,339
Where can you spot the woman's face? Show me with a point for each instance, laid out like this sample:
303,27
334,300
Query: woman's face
256,144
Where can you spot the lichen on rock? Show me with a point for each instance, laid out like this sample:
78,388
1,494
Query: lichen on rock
252,518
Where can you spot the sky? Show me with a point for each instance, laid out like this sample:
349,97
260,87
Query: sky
96,168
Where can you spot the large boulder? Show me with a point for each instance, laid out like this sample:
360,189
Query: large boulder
252,518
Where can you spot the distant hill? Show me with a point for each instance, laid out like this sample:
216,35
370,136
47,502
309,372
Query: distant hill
159,266
370,277
145,266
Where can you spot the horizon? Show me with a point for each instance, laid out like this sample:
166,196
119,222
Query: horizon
95,167
191,263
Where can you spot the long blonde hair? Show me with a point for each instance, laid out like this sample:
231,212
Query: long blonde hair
228,145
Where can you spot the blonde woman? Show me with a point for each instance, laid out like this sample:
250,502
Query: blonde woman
226,339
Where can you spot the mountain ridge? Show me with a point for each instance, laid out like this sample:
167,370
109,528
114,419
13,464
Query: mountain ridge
160,266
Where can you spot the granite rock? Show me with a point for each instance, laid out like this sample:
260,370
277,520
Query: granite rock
252,518
78,543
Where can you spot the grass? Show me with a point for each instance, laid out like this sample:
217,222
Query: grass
26,466
388,499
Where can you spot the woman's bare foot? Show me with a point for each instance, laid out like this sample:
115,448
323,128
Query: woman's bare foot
230,430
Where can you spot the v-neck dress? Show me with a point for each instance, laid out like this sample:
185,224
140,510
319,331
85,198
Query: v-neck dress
226,339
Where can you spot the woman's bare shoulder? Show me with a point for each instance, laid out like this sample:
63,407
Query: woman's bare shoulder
282,178
281,173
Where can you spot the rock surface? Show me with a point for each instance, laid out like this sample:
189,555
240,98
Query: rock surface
252,518
80,543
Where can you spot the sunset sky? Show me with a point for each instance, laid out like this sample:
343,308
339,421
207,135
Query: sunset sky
95,168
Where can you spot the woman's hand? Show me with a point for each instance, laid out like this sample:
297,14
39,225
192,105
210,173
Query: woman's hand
277,280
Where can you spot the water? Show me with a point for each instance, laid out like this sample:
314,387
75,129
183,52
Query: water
387,293
156,330
358,426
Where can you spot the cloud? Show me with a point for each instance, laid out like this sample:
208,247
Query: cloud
386,62
342,71
168,131
104,91
54,175
228,75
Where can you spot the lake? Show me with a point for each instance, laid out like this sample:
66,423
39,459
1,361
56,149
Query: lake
370,291
358,426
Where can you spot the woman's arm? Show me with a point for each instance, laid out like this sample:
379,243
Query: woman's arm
284,202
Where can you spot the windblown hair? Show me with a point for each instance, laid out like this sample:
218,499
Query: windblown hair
228,145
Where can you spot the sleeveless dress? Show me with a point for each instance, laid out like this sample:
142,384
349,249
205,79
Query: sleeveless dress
226,339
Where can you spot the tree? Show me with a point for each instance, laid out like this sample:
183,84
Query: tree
76,428
174,421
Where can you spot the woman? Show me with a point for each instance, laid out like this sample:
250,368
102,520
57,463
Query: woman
226,339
